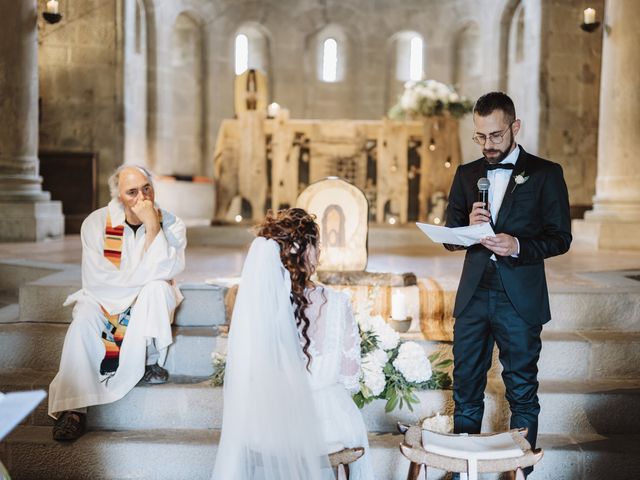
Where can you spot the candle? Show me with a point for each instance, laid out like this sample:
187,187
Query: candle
273,109
52,6
398,306
589,16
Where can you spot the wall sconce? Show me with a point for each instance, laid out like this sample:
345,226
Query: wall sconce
589,23
51,13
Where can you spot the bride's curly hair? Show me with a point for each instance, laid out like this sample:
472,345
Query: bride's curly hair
295,231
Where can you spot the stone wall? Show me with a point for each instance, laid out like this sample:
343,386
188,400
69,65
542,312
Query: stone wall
177,91
569,107
80,71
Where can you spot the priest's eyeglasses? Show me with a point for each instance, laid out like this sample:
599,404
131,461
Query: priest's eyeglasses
494,137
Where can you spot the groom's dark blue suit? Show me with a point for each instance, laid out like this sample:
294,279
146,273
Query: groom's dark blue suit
506,301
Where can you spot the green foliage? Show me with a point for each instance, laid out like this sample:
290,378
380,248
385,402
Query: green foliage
368,342
219,366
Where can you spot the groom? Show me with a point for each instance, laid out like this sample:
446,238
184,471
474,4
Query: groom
502,296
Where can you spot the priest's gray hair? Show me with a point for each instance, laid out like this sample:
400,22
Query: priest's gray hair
114,179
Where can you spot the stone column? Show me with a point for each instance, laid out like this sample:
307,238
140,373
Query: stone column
26,212
614,221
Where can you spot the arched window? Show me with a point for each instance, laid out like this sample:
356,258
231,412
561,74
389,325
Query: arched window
242,53
251,49
331,52
409,56
330,60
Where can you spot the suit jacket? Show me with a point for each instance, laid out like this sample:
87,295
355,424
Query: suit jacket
535,212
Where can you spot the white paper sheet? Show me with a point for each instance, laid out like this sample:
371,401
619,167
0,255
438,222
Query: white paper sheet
15,406
465,236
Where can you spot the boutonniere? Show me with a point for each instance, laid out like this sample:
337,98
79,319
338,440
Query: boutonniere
519,179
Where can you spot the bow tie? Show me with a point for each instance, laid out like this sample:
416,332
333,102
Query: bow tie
497,166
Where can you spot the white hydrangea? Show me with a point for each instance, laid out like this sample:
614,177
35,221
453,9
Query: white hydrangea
388,338
412,363
372,374
380,355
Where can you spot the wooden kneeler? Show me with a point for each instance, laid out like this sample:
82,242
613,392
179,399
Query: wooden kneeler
341,459
414,451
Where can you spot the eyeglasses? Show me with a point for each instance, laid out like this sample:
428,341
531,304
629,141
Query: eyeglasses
495,137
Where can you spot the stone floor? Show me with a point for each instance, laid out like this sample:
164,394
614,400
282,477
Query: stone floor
219,252
589,374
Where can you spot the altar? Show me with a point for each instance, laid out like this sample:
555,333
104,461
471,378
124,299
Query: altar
404,168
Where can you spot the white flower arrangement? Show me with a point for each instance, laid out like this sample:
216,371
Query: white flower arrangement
429,98
393,369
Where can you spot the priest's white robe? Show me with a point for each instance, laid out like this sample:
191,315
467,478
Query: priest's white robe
143,280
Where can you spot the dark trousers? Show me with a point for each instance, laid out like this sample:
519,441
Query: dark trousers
490,317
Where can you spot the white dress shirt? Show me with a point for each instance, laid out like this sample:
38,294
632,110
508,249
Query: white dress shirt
499,179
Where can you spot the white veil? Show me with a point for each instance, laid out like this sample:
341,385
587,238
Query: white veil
270,429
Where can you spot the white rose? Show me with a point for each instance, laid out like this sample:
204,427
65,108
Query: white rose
454,97
412,363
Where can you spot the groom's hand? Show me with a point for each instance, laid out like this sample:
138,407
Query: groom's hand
502,244
479,214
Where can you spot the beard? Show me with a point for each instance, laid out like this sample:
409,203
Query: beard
497,155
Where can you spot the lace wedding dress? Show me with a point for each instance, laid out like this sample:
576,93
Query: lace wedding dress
281,420
335,373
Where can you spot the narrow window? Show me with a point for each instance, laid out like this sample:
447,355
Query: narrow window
242,53
330,60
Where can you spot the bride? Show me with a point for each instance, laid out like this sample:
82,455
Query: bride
293,358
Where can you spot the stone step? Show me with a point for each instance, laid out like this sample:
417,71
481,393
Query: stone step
583,355
586,355
39,345
42,300
593,306
30,453
606,407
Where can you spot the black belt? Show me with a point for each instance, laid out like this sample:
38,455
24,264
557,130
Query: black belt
491,278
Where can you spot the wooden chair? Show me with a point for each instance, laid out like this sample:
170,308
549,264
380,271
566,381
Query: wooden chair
414,451
341,459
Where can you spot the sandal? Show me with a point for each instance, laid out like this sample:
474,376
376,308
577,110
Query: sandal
155,375
70,426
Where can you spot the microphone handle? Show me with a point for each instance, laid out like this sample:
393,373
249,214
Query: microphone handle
483,196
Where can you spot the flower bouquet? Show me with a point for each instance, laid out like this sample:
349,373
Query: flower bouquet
428,98
393,369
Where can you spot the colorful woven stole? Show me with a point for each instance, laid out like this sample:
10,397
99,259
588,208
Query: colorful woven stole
115,325
113,242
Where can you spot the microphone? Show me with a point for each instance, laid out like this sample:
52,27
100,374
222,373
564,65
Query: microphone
483,191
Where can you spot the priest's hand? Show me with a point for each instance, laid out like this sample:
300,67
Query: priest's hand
479,214
502,244
148,215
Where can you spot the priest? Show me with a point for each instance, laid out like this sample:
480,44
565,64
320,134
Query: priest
121,329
